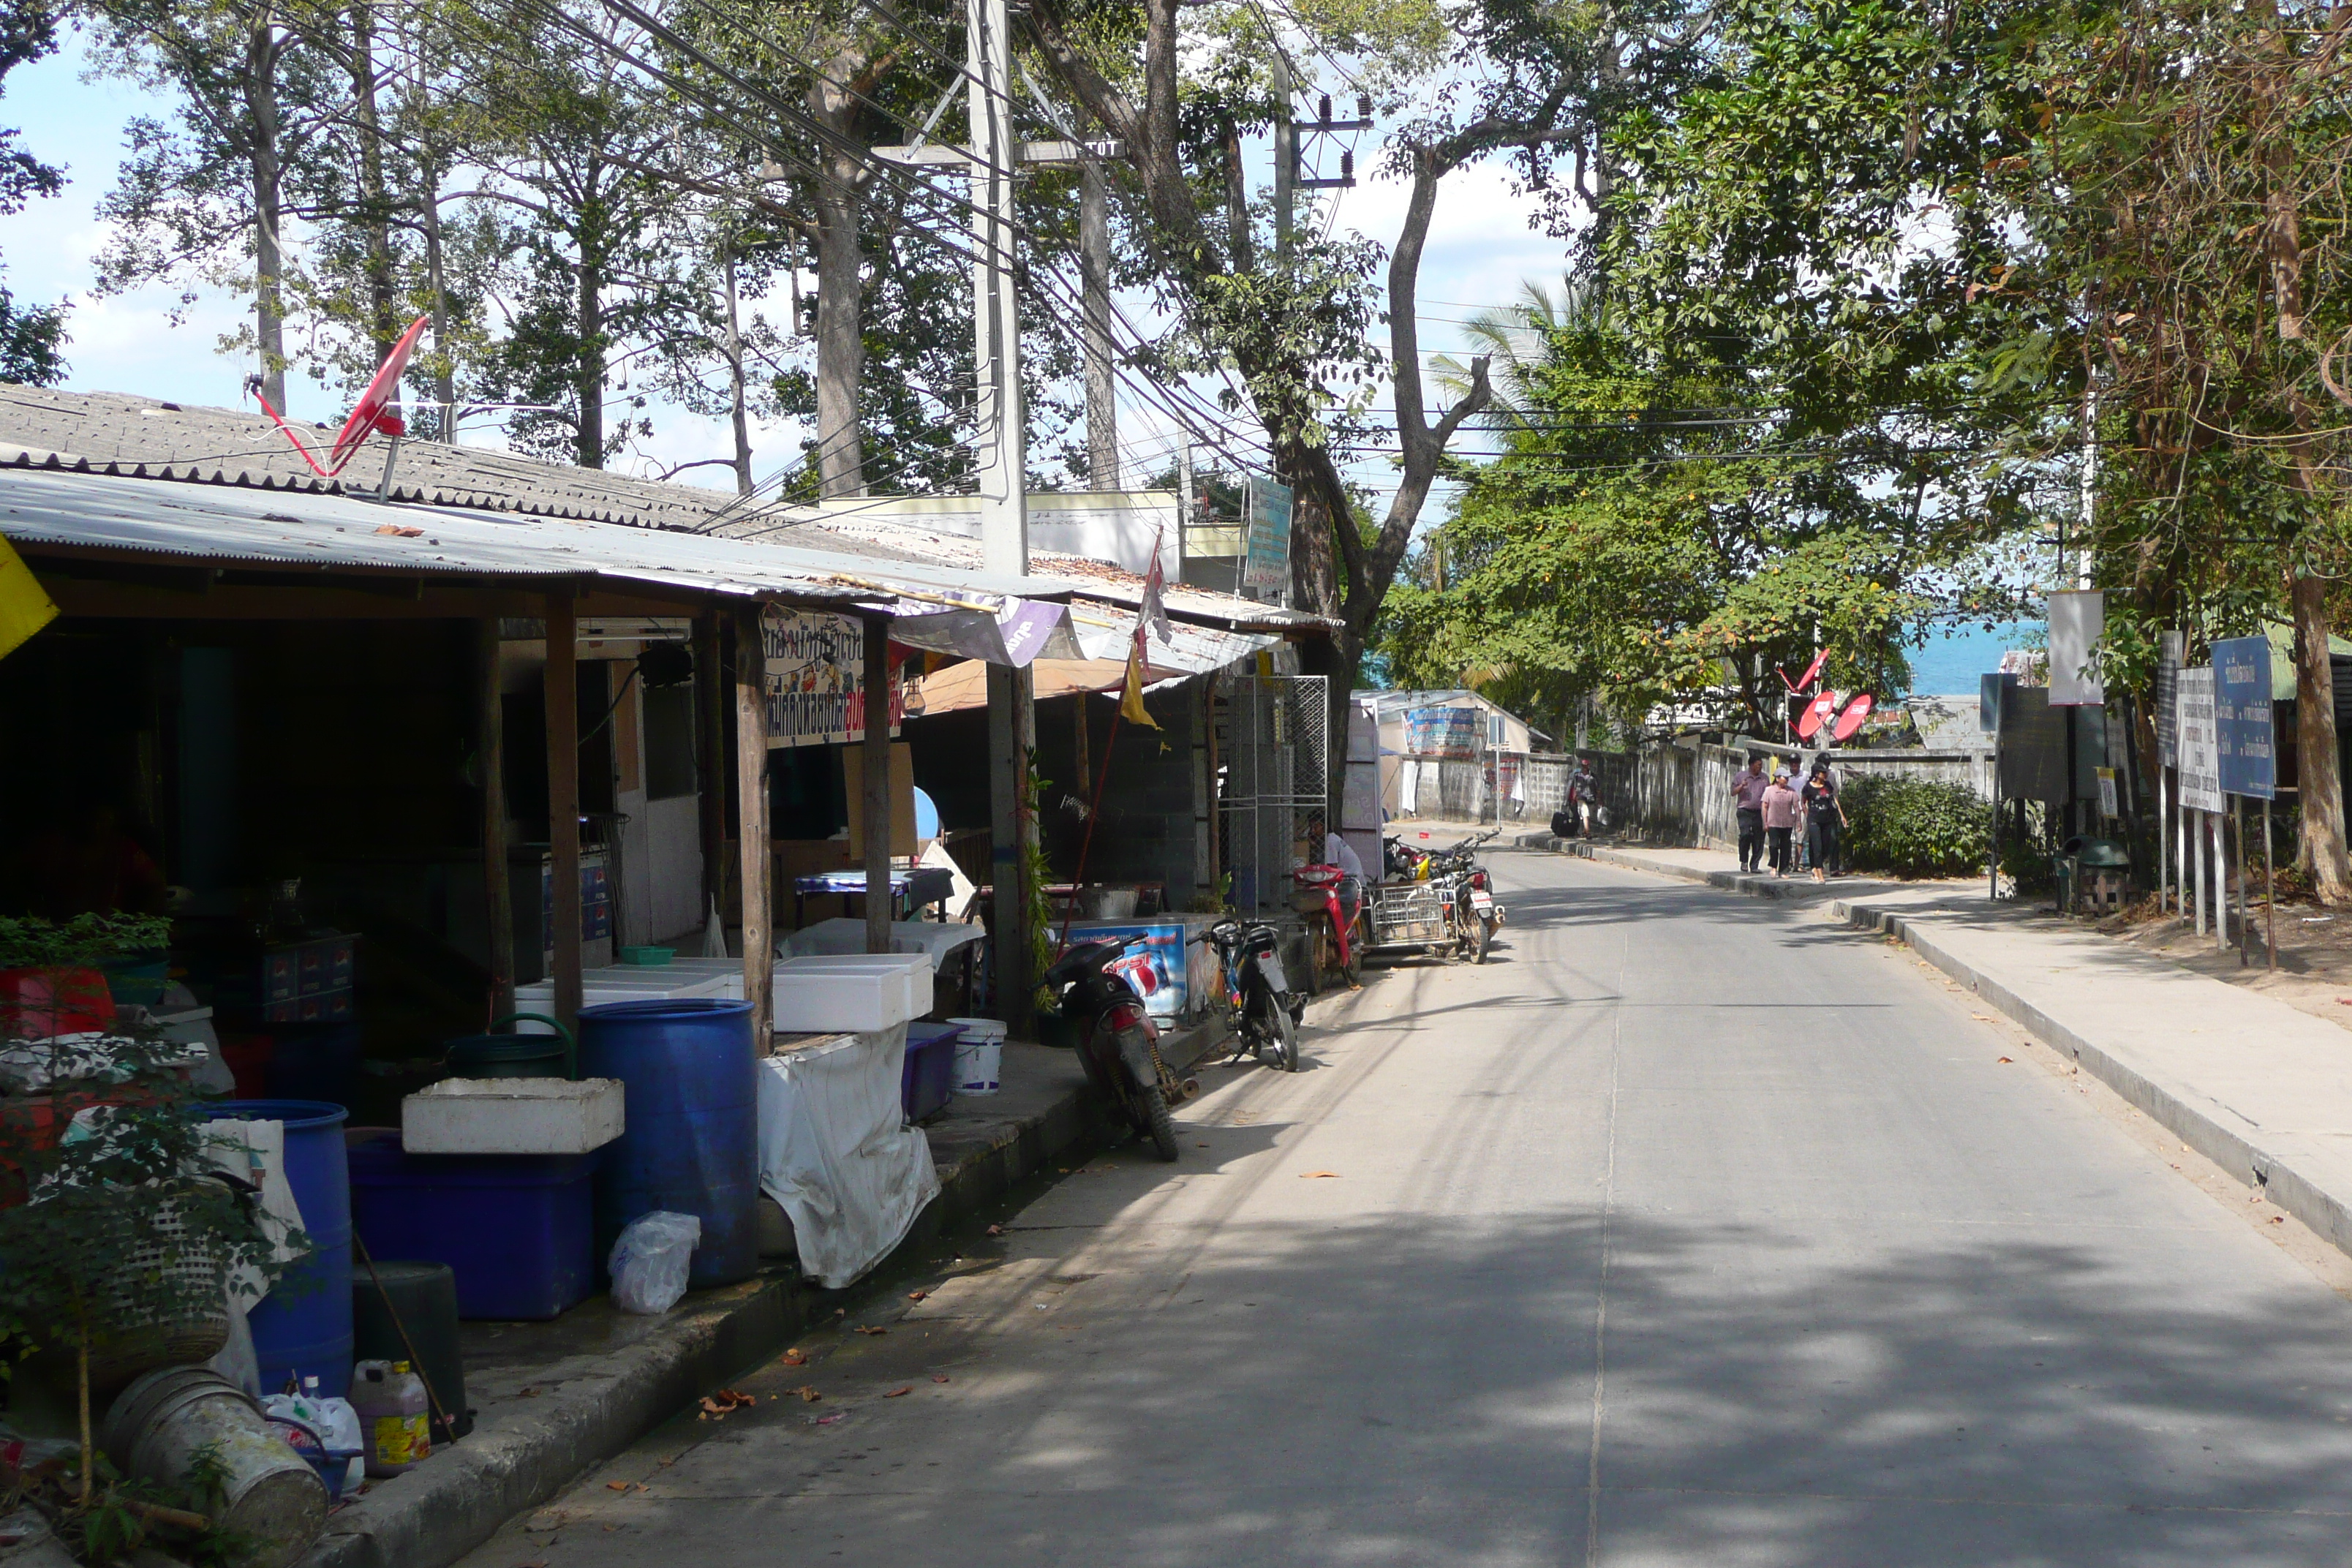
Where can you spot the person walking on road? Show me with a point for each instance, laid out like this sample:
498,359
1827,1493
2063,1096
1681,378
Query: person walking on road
1825,818
1748,792
1782,808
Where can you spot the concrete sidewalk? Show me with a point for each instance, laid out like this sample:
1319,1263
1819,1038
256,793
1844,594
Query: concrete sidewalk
2260,1088
553,1399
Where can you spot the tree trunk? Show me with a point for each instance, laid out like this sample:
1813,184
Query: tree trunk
590,370
445,367
384,319
260,84
840,285
2320,782
736,412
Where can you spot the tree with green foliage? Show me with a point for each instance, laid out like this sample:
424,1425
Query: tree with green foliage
32,337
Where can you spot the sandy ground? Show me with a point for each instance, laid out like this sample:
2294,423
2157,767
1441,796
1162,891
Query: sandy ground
2314,952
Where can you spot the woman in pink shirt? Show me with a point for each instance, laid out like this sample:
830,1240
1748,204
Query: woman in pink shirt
1781,809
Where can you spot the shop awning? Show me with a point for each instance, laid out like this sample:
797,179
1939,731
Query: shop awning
963,685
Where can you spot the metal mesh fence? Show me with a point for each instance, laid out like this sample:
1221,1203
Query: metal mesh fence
1274,742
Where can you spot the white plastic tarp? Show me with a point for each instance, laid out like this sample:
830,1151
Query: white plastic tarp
836,1153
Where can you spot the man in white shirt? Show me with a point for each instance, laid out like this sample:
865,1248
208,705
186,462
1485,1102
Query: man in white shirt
1336,852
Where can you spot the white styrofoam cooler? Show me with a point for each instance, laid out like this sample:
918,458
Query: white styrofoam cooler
629,983
857,993
512,1116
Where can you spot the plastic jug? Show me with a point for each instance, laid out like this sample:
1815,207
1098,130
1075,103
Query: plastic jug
338,1425
394,1415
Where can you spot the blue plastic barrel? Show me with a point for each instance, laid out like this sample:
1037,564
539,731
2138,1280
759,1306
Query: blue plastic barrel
303,1327
692,1143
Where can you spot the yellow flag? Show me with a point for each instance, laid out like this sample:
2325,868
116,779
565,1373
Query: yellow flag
24,609
1131,702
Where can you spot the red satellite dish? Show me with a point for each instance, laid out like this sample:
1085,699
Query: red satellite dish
373,413
1812,671
1817,713
1850,719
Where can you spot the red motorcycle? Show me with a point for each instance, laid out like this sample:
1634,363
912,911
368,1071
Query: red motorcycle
1337,928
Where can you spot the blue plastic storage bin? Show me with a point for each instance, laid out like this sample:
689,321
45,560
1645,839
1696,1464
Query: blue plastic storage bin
927,1082
692,1143
303,1327
517,1230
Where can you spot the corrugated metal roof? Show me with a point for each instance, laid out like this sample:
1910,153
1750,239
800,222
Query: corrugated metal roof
142,437
1098,579
143,517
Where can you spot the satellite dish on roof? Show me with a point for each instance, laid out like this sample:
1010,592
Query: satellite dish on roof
1851,719
373,411
1817,713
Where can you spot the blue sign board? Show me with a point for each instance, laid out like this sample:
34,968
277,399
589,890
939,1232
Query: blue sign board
2241,716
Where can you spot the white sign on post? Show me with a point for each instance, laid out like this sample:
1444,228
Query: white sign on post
2200,743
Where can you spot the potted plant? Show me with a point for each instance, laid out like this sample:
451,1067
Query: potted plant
118,1238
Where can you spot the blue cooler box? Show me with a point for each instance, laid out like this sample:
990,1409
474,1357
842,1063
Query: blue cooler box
517,1230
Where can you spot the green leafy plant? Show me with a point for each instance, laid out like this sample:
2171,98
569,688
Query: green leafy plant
1917,827
116,1239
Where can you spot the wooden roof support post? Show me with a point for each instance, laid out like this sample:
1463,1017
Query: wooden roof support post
752,824
497,885
710,759
1011,738
876,806
563,688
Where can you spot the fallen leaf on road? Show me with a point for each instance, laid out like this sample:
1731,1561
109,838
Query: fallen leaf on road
822,1421
897,1392
808,1392
870,1329
939,1377
996,1230
917,1295
624,1486
1315,1176
1981,1017
793,1357
2000,1059
397,532
2275,1219
531,1394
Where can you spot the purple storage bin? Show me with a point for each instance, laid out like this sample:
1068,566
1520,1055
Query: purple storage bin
517,1230
928,1081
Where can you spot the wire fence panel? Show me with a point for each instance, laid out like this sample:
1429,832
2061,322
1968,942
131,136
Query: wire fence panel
1276,744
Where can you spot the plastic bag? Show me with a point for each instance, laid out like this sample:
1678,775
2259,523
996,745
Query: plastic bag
650,1261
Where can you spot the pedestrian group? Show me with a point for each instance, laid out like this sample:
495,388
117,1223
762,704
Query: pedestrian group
1772,805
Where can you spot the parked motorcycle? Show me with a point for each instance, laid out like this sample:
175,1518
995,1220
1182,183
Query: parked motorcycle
1265,1011
1117,1043
1469,893
1336,930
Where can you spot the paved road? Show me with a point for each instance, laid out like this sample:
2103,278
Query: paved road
1688,1231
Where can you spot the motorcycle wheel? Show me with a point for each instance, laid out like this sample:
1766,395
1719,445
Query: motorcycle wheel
1162,1126
1485,936
1286,1039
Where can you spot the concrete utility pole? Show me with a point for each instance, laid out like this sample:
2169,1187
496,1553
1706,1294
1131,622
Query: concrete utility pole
1285,157
994,158
1094,258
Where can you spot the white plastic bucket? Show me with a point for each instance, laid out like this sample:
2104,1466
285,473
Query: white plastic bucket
980,1055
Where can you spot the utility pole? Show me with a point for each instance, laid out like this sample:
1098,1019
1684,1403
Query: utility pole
1094,258
1285,157
992,160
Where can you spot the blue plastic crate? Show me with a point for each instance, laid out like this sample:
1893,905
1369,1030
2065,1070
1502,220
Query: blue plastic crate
928,1081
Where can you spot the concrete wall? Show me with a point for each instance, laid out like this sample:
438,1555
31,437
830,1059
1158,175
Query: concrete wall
1674,794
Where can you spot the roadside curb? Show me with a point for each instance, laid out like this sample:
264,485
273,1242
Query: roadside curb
2282,1167
593,1406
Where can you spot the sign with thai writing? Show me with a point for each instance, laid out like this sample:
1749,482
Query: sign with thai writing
2201,747
816,679
2241,716
1266,560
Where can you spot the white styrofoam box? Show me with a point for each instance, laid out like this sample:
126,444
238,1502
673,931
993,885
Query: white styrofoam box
845,1001
911,970
512,1116
624,982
